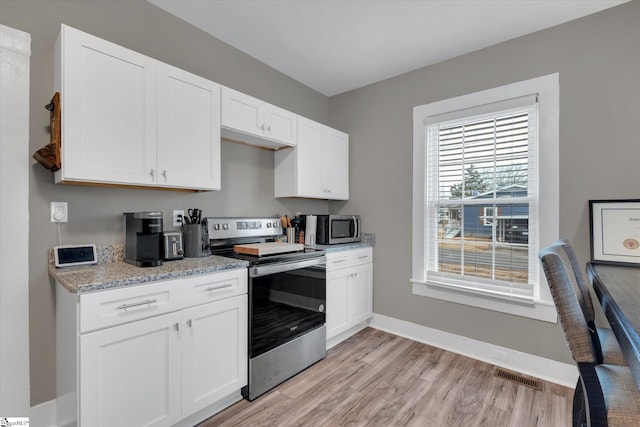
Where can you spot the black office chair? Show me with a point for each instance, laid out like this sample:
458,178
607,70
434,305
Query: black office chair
604,340
606,395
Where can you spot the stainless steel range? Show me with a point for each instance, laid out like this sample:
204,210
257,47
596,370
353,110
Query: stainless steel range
287,298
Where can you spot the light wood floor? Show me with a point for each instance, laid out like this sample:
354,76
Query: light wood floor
379,379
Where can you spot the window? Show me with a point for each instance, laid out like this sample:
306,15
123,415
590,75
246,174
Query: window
485,195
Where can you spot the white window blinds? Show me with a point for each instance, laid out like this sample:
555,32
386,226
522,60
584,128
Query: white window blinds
481,199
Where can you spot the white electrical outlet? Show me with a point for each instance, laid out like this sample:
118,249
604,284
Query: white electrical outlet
178,218
59,212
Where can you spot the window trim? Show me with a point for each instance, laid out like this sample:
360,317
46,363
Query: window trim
547,89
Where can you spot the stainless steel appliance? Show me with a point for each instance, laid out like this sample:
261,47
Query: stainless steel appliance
143,238
287,298
173,245
335,229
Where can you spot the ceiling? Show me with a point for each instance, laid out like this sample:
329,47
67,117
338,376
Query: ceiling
334,46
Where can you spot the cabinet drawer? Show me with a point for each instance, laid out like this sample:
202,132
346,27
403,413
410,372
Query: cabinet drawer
116,306
359,257
213,287
349,258
337,260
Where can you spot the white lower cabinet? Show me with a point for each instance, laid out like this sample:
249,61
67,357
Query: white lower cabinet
214,358
130,374
147,367
349,292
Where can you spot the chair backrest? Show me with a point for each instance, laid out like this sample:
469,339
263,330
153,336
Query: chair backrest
559,274
582,291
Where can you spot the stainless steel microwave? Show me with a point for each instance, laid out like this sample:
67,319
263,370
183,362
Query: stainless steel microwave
335,229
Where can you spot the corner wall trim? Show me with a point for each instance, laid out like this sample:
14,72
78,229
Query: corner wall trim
43,414
528,364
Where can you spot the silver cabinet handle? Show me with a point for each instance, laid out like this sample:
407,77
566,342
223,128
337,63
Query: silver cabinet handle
177,326
262,127
189,323
269,128
135,304
363,256
215,288
338,261
152,173
164,174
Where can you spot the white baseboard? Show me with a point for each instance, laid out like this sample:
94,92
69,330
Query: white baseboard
43,415
528,364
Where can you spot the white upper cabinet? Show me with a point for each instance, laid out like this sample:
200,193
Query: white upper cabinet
128,119
250,120
318,167
188,129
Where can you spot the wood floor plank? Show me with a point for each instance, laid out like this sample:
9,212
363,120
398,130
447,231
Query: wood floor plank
379,379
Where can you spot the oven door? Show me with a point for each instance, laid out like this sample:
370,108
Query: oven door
286,300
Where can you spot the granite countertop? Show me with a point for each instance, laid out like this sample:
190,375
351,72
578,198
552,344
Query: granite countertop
368,240
112,272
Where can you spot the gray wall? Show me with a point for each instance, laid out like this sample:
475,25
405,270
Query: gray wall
598,58
95,213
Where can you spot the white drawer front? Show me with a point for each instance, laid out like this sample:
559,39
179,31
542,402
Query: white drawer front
213,287
115,306
336,260
360,256
349,258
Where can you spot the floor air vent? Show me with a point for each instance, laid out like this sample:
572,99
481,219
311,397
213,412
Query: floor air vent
519,379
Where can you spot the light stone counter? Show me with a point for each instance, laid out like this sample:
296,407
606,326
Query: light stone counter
112,272
368,240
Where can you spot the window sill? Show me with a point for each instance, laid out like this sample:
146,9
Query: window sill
539,310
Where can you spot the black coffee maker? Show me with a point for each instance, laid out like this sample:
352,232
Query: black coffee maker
143,238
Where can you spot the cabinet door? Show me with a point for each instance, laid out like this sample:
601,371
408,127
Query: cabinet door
241,112
214,357
130,374
309,163
188,130
280,125
337,320
108,96
335,164
359,301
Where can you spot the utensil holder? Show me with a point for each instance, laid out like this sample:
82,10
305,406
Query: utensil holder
196,240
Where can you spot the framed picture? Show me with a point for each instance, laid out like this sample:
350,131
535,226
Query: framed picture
615,231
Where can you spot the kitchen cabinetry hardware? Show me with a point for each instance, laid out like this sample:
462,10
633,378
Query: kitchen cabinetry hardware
164,174
152,174
190,323
177,326
136,304
215,288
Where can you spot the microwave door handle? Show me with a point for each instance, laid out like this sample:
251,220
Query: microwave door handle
355,224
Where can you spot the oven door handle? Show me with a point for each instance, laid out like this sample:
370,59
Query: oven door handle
288,266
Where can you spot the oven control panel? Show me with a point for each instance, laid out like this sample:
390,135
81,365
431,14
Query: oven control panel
228,227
